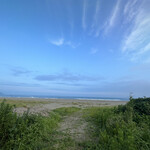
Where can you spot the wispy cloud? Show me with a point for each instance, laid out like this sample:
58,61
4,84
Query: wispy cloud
70,16
69,43
58,42
62,41
71,84
17,71
136,43
95,25
67,76
130,9
112,19
96,15
10,83
84,14
94,51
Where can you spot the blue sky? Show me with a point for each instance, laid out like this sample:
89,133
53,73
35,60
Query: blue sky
75,47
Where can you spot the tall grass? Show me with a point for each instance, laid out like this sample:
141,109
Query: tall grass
24,103
125,127
29,131
18,132
121,128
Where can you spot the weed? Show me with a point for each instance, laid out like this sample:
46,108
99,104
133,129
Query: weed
29,131
125,127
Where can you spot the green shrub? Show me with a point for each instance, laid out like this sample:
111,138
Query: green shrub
126,127
18,132
29,131
26,132
140,105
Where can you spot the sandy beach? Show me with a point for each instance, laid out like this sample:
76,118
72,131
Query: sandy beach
58,103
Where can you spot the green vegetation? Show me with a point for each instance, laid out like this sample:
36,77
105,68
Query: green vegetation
66,111
124,127
29,132
24,103
121,128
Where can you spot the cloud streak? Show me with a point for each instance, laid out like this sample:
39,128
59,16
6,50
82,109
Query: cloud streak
58,42
62,42
67,76
19,84
136,43
18,71
130,9
84,14
96,24
112,19
69,43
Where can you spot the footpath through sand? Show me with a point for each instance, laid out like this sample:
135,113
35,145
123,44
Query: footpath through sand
72,132
75,126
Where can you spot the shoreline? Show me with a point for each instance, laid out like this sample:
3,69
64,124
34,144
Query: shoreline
51,104
63,100
69,99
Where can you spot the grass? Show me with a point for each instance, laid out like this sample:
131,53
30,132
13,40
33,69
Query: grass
29,131
66,111
24,103
120,128
124,127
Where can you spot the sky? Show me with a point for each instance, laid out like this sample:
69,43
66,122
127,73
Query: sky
92,48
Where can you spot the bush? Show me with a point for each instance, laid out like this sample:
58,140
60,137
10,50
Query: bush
18,132
140,105
126,127
26,132
29,131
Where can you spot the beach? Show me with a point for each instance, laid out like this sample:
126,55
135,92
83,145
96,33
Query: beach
40,105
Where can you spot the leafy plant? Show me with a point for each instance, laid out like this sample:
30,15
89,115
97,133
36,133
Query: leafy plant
126,127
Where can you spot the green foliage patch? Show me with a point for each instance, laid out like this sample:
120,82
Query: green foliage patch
126,127
24,103
66,110
29,131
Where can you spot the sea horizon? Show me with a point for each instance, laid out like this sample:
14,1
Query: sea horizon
67,97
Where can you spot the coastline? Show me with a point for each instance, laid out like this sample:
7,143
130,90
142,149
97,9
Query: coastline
43,106
63,100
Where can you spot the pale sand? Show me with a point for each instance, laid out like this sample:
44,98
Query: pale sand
58,103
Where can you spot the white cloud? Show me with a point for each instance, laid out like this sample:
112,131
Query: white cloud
62,41
114,14
96,25
131,9
145,49
136,44
84,14
112,19
96,15
58,42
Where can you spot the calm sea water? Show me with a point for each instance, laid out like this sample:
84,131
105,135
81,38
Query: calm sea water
68,97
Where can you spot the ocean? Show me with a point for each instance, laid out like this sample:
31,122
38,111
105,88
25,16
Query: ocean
68,97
